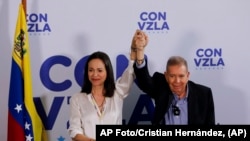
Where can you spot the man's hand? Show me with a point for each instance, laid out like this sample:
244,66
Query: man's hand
139,42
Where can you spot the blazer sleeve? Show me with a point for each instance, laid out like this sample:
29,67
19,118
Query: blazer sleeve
143,79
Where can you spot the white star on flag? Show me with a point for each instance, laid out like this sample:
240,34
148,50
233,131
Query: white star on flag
27,126
18,108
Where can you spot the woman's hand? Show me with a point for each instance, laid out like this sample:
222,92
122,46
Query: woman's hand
139,42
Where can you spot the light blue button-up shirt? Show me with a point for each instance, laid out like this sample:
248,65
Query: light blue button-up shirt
182,118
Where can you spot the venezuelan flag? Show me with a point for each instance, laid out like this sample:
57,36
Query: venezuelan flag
24,123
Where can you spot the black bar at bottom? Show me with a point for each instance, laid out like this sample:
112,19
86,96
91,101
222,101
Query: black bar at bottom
215,132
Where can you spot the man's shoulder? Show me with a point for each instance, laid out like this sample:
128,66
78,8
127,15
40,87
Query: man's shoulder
197,85
158,75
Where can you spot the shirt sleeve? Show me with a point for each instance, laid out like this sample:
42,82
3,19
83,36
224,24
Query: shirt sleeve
75,118
124,83
140,65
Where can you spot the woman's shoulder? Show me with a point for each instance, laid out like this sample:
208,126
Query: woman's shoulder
79,95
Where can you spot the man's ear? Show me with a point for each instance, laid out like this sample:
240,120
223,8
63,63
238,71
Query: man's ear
165,73
188,74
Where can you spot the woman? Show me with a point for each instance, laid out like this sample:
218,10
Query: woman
101,98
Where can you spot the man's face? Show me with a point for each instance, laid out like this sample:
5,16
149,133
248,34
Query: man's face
177,76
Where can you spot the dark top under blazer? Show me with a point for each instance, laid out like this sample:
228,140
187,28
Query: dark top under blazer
200,99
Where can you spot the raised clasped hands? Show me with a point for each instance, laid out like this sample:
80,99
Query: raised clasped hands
139,42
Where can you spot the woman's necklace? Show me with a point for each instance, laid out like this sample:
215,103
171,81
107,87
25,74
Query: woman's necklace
100,108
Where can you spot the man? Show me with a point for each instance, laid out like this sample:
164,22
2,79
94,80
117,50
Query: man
178,100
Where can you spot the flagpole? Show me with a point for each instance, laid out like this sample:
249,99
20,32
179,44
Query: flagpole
24,6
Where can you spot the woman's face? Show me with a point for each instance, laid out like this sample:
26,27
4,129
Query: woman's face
96,72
